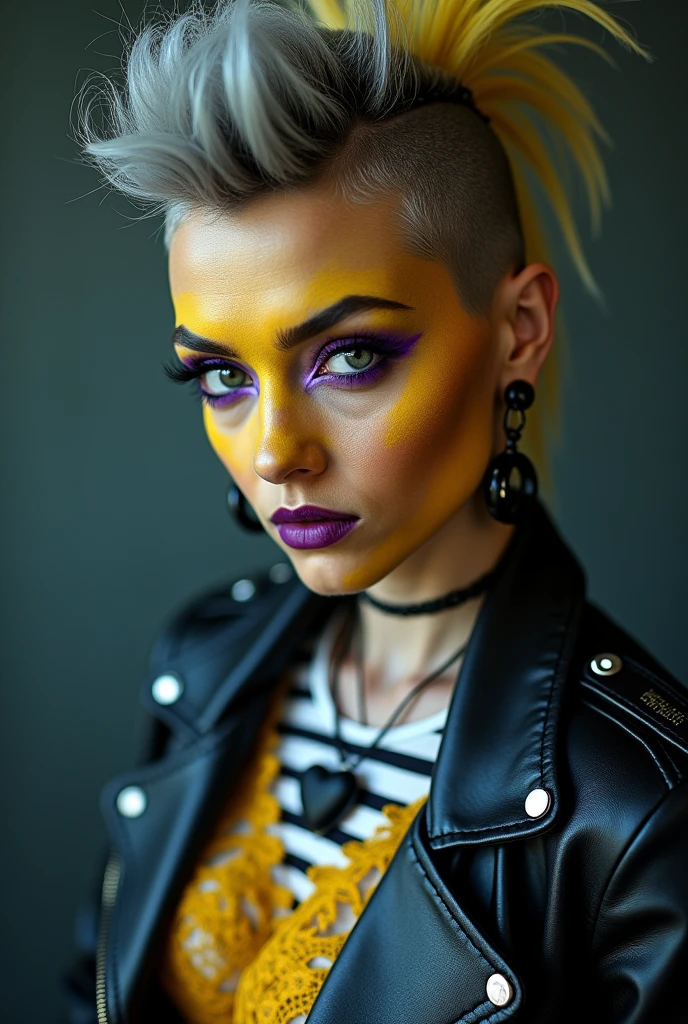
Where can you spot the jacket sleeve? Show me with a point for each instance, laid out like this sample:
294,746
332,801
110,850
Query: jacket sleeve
79,983
204,619
640,943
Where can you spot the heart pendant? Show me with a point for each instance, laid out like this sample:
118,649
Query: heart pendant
326,796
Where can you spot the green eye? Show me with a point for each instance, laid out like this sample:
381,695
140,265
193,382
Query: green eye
350,362
219,382
232,377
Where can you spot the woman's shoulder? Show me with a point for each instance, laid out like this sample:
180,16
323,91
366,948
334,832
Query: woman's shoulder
219,621
231,604
627,734
634,685
225,638
624,773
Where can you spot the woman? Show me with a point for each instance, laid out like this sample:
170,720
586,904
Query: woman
422,779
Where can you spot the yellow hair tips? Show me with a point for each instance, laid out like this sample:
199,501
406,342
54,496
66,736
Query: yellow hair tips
329,12
540,115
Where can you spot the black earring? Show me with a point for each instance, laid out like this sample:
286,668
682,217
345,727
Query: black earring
511,481
239,507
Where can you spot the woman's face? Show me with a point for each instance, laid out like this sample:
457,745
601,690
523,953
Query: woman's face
337,371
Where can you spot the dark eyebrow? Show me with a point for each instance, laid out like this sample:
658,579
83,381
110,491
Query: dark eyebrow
187,339
291,336
330,316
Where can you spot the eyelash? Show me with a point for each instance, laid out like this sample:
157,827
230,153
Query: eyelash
193,374
336,346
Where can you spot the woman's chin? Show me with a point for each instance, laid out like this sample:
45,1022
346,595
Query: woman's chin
330,574
328,582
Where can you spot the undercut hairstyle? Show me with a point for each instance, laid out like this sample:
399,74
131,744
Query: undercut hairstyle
429,102
225,106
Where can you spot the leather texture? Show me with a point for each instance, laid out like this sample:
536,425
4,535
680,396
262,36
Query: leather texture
583,910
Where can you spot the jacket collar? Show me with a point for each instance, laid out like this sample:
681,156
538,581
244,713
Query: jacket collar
500,737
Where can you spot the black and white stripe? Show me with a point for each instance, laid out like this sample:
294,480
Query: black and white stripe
398,770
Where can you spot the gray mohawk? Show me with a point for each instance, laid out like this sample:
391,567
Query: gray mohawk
252,96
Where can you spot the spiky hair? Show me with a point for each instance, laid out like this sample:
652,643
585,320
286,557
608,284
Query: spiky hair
250,96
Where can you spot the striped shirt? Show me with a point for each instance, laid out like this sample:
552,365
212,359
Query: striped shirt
397,770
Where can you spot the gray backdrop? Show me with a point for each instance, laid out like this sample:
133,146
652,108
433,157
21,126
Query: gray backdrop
113,508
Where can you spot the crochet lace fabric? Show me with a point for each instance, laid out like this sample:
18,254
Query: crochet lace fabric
236,954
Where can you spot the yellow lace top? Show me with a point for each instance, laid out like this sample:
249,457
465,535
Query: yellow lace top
236,952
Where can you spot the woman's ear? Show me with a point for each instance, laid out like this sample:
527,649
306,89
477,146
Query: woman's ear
525,306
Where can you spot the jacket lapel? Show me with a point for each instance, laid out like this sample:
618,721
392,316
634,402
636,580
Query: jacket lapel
413,956
502,724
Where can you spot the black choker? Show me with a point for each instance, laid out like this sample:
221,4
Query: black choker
438,604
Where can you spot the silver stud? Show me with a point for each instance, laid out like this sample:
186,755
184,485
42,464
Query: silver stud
537,803
243,590
167,689
280,572
499,991
606,664
131,802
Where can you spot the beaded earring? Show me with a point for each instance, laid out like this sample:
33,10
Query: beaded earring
510,483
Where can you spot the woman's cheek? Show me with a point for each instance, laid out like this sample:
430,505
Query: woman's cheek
428,460
233,449
440,423
420,490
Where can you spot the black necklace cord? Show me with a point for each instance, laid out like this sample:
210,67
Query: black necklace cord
396,713
344,640
438,604
360,662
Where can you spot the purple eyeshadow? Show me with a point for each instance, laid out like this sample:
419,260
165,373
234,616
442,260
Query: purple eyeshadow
202,366
389,346
221,401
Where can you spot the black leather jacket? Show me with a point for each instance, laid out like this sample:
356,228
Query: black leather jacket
582,911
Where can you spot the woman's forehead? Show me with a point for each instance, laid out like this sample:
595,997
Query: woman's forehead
292,254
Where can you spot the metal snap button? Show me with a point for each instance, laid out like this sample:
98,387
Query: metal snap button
167,689
499,991
243,590
131,802
537,803
606,664
280,572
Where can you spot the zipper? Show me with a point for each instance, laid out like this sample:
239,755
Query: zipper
111,877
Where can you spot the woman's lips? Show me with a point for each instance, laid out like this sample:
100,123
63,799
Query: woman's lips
309,526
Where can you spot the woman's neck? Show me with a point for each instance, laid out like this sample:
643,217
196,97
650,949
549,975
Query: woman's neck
398,651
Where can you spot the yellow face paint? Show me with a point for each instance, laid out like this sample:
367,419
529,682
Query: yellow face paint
401,449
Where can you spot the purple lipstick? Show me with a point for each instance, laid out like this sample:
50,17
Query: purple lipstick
309,526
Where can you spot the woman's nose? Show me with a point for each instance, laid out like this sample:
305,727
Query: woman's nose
287,446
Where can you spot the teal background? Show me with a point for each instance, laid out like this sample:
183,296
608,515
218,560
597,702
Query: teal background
113,505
